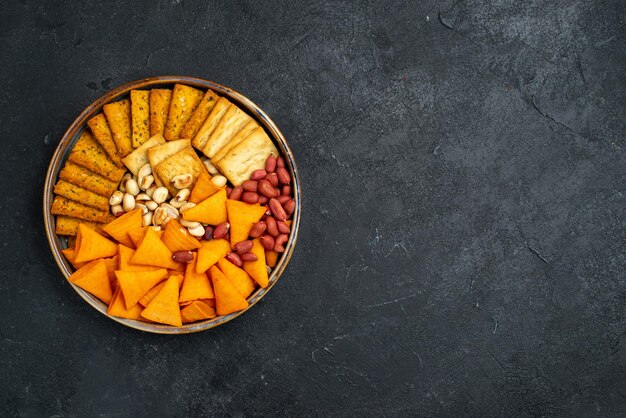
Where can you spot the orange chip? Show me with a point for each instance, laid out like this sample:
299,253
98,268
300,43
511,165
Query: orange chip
195,285
125,255
135,284
164,307
210,302
204,188
152,252
70,254
93,278
120,227
210,253
117,307
177,238
136,235
238,277
210,211
147,298
111,265
241,217
227,297
271,258
90,245
197,311
257,268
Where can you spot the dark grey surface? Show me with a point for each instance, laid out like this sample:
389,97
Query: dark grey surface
462,250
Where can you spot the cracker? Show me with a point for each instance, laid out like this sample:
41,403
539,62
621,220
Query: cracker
159,106
231,123
207,128
139,157
78,194
162,152
236,140
249,155
199,115
66,225
140,116
64,206
185,161
86,179
118,116
185,99
89,154
101,131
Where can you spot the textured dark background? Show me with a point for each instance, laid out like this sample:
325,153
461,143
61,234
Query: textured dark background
462,250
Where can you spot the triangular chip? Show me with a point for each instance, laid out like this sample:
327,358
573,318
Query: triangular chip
241,217
135,284
197,311
204,188
210,211
90,245
238,277
164,307
177,238
125,255
256,269
111,265
136,235
271,257
70,254
117,307
210,253
147,298
120,227
184,101
93,278
227,297
152,252
195,285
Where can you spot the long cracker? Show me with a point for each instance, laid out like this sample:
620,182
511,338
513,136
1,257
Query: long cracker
234,120
80,195
199,115
63,206
140,116
207,128
118,116
89,154
87,179
159,107
101,131
185,99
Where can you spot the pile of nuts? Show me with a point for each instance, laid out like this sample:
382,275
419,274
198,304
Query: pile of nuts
141,192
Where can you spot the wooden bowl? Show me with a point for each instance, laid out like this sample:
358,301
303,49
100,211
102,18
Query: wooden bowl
70,137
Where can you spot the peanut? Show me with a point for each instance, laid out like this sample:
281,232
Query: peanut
145,170
219,181
249,257
234,258
160,194
283,199
128,202
283,228
279,243
159,217
132,187
250,185
258,229
210,167
250,197
117,210
283,175
236,193
146,219
208,233
182,181
263,200
273,179
116,198
144,208
286,191
183,194
266,189
190,224
151,190
270,164
267,242
290,207
280,162
146,182
142,197
258,174
172,212
221,230
182,256
277,210
197,231
151,205
272,226
187,205
243,247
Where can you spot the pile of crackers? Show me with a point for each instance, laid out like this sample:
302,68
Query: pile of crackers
181,130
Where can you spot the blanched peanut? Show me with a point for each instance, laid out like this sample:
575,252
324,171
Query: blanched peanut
183,194
187,205
160,194
116,198
177,203
146,182
197,231
144,171
144,208
132,187
151,205
159,216
128,202
117,210
219,181
146,219
182,181
189,224
142,197
172,212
